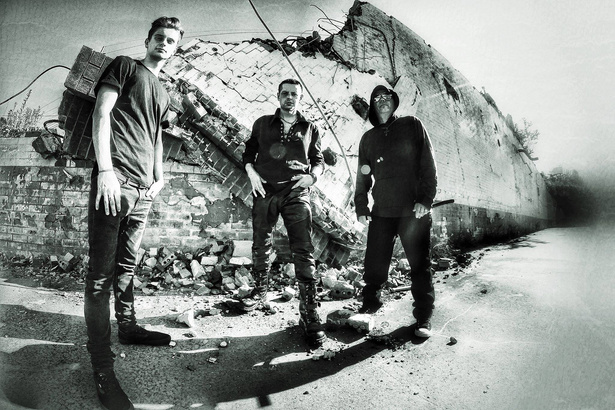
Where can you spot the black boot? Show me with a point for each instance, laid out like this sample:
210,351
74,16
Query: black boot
371,299
258,297
110,392
310,321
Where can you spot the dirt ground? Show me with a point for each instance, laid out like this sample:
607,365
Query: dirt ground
489,336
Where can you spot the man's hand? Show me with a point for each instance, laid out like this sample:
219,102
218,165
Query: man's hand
154,189
109,191
364,219
256,181
420,210
303,181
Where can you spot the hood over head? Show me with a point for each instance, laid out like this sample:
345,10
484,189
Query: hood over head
373,116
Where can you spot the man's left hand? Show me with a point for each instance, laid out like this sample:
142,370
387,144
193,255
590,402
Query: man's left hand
420,210
154,189
303,181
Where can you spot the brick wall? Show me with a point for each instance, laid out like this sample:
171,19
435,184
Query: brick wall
43,205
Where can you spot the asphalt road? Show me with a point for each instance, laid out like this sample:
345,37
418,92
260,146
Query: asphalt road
533,320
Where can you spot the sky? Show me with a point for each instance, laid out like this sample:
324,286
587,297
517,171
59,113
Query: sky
548,61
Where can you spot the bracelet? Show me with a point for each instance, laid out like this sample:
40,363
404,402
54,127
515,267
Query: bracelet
314,177
100,171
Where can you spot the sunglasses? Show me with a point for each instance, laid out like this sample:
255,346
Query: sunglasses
383,97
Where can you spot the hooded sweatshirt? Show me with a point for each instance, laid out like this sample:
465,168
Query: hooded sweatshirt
396,162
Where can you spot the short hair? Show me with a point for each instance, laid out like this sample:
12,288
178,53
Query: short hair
289,81
166,22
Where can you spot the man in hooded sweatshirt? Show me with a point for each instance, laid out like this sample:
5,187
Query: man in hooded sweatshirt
396,162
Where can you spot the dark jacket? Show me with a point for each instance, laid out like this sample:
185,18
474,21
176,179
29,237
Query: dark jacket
278,159
397,159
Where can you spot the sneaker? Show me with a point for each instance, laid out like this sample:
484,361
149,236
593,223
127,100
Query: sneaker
110,392
423,328
136,335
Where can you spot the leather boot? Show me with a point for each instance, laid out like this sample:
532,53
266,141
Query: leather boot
258,297
371,299
310,321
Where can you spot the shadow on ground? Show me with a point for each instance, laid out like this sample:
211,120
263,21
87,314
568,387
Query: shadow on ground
45,364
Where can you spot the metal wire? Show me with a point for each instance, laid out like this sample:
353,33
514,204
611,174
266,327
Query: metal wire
306,89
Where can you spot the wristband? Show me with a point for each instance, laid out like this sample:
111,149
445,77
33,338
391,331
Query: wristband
314,177
100,171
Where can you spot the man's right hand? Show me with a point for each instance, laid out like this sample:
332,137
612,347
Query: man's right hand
109,191
256,181
364,219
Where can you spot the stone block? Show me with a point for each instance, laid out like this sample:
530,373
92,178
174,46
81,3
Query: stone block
288,293
165,261
242,249
209,260
342,290
197,269
85,72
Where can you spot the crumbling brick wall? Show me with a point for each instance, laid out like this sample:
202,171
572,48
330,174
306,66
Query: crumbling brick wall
43,205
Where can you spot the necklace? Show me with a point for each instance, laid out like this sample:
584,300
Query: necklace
288,122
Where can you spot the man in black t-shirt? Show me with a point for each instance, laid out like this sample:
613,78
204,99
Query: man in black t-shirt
127,137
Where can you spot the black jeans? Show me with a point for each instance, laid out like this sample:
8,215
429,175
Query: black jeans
414,235
114,243
294,206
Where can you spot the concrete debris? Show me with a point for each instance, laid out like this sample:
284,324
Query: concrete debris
348,318
444,263
187,317
288,293
403,265
240,261
289,270
342,290
197,269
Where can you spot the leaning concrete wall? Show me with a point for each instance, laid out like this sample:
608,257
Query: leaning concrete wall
497,189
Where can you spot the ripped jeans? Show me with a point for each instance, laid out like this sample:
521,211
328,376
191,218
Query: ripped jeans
114,243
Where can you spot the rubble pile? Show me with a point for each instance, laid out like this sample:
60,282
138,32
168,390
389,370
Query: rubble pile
223,267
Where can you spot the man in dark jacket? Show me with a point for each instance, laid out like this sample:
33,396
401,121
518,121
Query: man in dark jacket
396,157
283,159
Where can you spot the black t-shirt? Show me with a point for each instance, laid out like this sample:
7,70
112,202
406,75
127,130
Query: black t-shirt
136,118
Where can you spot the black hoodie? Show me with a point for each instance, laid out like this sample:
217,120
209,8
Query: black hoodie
397,158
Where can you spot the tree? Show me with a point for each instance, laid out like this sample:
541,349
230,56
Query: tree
20,120
526,136
575,203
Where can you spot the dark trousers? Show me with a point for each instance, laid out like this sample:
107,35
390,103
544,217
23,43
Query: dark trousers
414,235
294,206
114,243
